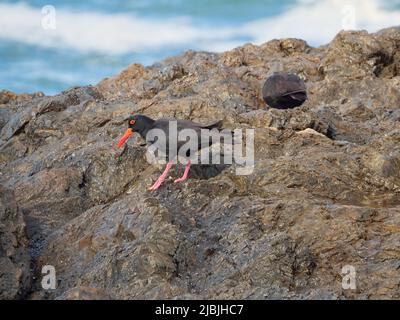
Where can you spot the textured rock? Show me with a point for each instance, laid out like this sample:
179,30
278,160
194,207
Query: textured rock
325,192
15,276
84,293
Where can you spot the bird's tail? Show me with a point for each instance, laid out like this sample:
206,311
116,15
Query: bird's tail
215,125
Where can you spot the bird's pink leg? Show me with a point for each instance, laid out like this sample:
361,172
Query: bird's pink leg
161,179
185,174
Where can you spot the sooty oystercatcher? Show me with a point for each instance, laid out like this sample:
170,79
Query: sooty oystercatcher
143,125
284,91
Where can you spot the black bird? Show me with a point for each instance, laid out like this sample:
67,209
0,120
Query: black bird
284,91
143,125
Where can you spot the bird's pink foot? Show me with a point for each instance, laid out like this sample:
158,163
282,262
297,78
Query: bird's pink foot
162,178
157,184
185,174
180,179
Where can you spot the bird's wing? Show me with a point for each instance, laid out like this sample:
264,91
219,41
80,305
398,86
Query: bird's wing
163,124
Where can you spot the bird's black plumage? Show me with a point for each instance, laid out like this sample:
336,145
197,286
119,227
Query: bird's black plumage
284,91
143,125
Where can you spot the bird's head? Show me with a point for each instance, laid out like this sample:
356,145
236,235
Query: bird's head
136,123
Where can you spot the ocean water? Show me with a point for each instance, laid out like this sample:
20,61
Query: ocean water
50,49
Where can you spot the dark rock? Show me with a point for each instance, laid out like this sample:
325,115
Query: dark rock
284,91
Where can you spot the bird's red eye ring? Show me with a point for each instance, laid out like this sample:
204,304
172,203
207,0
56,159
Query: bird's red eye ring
132,122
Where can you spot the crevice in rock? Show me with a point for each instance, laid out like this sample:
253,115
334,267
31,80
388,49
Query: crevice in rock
103,123
331,132
382,62
20,130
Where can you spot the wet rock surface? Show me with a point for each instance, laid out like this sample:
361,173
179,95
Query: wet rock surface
324,194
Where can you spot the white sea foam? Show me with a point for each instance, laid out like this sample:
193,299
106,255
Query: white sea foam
319,21
314,21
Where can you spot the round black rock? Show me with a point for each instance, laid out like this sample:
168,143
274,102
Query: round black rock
284,91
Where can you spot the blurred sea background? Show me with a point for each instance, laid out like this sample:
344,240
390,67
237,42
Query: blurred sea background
95,39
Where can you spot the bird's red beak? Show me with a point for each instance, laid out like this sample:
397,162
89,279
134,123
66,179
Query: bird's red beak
125,137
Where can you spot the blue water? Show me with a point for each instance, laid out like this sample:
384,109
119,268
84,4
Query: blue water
84,51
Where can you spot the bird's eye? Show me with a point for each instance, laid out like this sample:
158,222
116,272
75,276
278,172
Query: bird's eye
132,122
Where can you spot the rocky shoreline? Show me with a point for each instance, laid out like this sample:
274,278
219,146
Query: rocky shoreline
325,192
